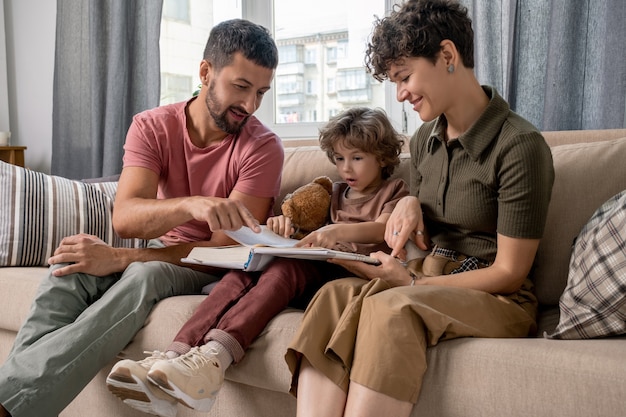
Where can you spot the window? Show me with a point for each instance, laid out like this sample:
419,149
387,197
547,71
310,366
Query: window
331,86
331,55
288,54
342,48
352,79
311,87
333,35
289,84
176,10
185,27
321,52
175,87
354,87
310,57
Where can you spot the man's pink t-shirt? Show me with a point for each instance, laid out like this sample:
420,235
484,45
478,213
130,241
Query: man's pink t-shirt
250,163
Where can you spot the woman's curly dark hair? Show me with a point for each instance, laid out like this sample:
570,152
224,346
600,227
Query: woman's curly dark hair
416,29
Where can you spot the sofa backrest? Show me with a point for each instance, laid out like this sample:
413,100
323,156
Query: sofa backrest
589,169
304,163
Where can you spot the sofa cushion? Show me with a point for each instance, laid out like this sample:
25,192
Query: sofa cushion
524,377
594,301
262,366
37,211
579,189
21,283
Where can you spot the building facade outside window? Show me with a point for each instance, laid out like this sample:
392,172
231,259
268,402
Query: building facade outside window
321,48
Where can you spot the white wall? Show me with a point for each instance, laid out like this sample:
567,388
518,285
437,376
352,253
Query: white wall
29,28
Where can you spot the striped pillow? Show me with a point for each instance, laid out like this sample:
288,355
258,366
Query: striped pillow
37,211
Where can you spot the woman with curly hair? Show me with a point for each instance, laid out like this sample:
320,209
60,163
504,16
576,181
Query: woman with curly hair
481,179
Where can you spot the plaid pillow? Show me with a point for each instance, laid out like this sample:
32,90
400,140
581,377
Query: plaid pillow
594,301
37,211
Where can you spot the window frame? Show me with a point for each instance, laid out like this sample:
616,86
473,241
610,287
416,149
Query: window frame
405,121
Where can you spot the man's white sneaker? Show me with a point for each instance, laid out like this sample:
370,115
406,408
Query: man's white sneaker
194,378
128,381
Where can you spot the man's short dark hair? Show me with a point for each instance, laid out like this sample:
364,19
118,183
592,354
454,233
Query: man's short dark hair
253,41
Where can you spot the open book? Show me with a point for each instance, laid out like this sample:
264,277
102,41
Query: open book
258,249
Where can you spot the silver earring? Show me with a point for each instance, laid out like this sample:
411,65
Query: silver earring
451,68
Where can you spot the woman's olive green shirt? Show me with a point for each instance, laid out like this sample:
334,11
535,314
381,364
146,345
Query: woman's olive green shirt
495,178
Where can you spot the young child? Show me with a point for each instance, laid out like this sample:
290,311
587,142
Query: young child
365,148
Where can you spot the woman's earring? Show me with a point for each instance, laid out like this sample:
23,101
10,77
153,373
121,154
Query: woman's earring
451,68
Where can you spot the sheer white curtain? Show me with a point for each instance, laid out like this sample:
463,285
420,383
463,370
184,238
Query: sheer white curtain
106,70
559,63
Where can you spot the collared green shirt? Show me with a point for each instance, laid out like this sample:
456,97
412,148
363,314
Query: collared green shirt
495,178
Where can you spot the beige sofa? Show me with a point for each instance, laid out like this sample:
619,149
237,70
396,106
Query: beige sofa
466,377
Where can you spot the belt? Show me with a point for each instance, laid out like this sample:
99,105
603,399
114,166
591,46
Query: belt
467,263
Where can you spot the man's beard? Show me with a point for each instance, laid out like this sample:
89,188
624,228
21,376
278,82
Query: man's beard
221,119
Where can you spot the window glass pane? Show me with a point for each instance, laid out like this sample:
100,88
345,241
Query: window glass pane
183,39
321,53
176,10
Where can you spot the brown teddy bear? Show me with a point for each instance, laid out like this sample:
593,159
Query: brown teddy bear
308,206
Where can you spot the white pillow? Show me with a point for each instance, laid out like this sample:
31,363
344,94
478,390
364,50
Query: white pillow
37,211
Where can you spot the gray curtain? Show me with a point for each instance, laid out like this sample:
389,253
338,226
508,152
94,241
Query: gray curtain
106,70
559,63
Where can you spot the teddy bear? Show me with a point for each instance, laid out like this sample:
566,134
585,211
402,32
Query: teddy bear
308,206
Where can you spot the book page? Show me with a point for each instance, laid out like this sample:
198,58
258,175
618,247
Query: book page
220,255
256,258
266,237
229,257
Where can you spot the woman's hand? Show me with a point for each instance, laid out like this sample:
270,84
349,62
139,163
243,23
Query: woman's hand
406,223
281,225
390,269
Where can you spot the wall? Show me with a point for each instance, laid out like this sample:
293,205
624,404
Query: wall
4,92
30,33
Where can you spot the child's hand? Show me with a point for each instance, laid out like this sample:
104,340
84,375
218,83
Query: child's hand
324,237
281,225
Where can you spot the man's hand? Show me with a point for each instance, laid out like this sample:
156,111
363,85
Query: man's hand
87,254
223,214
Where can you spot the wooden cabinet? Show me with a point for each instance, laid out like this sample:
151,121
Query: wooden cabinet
13,154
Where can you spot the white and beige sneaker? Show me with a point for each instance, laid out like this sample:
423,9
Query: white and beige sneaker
128,381
194,378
